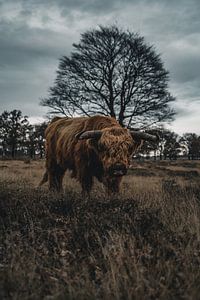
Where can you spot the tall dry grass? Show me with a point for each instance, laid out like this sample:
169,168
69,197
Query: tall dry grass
141,244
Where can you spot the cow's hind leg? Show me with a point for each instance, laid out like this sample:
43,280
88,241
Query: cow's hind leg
86,184
44,178
56,178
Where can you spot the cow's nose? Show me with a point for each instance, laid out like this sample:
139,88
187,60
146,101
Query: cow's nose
119,166
118,169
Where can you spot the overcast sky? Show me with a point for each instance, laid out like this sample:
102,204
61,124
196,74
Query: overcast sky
34,34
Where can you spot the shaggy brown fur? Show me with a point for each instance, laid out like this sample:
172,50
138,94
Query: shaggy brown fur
88,158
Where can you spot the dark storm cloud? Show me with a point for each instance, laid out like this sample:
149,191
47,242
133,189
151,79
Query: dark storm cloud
28,60
35,33
68,6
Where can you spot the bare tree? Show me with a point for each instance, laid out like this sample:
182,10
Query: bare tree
112,72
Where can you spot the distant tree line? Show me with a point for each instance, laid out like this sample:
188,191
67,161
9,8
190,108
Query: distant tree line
173,146
19,138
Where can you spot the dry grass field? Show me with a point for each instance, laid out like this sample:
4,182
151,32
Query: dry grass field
141,244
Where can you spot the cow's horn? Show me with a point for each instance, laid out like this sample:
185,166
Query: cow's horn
144,136
91,134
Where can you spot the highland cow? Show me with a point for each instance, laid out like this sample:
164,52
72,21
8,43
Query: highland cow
90,147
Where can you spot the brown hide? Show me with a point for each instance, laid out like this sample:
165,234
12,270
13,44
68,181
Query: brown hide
104,158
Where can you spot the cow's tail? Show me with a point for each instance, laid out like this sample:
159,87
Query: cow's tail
44,179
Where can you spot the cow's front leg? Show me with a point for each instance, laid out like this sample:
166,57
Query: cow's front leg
112,184
86,180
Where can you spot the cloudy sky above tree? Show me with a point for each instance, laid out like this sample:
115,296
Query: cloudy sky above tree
34,34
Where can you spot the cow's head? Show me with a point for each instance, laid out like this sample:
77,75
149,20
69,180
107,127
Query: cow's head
115,147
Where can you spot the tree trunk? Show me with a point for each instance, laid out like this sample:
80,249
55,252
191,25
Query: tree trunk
13,151
121,118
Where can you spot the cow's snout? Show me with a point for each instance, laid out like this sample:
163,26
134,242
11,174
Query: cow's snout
118,170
